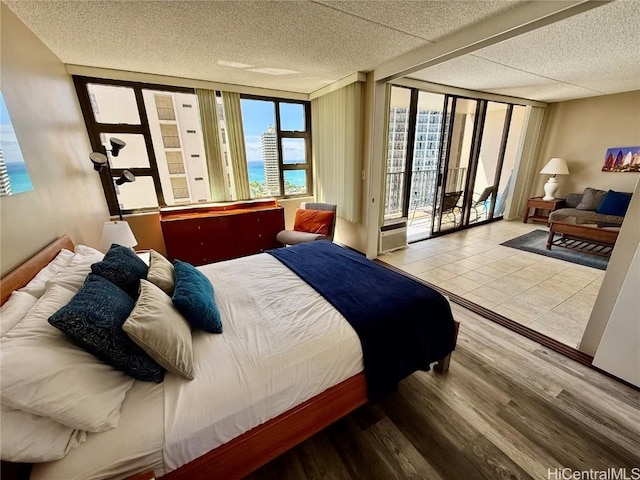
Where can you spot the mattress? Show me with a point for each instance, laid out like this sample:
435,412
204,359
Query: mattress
282,344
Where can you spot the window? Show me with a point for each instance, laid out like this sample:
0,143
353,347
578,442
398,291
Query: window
164,147
278,146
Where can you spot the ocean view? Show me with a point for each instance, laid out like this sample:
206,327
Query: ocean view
256,174
19,178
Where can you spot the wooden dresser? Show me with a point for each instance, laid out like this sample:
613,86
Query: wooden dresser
213,232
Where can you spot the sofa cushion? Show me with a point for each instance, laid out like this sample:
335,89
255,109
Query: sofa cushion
591,199
614,203
573,215
572,200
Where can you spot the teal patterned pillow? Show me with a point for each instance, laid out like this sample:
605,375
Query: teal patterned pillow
93,319
122,267
193,297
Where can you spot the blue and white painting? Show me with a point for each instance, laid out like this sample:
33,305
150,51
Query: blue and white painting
14,177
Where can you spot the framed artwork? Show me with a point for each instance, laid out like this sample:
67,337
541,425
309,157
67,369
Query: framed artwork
622,159
14,177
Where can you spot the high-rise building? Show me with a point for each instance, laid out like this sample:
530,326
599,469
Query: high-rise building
270,159
5,181
425,158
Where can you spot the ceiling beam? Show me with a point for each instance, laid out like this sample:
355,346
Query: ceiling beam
516,21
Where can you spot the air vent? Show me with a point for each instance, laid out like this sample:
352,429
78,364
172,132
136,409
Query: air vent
393,237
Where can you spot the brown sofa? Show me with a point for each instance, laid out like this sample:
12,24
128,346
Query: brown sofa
574,210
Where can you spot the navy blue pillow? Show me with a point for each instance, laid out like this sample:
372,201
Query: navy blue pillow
614,203
193,297
122,267
93,319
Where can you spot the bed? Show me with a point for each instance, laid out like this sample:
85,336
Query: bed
174,445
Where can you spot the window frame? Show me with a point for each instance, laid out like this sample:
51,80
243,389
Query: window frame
280,134
94,129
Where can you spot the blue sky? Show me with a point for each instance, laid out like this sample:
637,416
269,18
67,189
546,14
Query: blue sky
8,140
258,115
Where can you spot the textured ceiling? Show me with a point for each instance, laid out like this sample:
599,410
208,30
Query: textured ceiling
593,53
301,46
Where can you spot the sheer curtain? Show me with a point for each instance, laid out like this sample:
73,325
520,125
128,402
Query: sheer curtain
211,136
337,150
235,137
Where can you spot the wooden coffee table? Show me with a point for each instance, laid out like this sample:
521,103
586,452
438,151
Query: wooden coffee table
583,238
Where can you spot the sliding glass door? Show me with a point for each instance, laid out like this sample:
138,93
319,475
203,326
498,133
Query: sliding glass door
449,160
457,157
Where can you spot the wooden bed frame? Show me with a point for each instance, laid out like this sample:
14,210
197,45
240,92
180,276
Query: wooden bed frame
253,449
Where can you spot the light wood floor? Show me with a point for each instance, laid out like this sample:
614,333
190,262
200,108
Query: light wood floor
508,408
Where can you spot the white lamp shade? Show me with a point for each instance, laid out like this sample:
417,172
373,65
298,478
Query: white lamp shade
556,166
117,232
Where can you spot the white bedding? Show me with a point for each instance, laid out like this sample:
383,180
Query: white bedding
282,344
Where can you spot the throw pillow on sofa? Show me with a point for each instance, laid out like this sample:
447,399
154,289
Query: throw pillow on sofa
615,203
591,199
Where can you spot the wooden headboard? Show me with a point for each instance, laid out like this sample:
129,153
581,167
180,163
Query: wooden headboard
25,272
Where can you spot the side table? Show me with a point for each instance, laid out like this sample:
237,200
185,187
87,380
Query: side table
537,203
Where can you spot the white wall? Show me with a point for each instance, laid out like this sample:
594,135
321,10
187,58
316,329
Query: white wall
619,349
67,196
614,277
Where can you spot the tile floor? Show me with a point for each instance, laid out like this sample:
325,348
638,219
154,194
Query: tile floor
551,296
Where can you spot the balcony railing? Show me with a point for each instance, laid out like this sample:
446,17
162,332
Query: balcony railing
423,188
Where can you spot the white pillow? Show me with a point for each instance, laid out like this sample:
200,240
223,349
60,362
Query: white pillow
43,373
73,275
157,327
161,272
31,438
14,310
37,285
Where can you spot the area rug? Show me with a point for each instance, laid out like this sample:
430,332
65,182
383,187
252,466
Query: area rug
536,242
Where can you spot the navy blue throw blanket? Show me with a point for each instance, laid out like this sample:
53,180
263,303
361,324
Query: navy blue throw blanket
403,325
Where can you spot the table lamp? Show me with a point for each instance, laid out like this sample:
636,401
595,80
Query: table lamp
117,232
555,166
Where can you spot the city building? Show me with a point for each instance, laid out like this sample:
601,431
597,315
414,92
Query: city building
5,181
425,158
270,159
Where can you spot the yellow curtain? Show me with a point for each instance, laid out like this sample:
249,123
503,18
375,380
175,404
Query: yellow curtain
211,136
337,150
235,137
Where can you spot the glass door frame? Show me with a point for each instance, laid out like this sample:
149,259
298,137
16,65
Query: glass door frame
474,157
450,104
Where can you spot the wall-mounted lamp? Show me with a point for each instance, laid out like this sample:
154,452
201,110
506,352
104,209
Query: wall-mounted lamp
100,160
